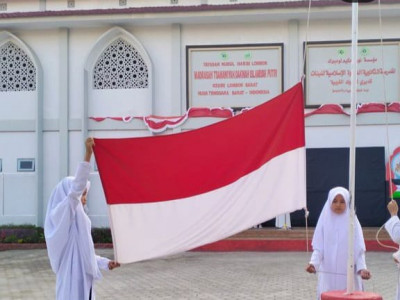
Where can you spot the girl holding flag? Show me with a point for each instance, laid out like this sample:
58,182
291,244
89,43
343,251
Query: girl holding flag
68,236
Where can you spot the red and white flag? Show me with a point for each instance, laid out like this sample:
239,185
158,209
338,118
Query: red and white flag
172,193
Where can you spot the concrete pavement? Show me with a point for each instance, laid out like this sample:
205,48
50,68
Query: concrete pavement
26,274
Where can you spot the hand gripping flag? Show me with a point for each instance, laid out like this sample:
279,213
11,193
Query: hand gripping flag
171,193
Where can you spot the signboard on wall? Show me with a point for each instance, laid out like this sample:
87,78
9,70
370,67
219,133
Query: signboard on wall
328,72
233,75
393,174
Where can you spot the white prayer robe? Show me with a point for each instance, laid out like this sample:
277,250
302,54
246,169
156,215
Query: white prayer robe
392,226
330,243
69,241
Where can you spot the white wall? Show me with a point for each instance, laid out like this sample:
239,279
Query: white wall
157,40
333,130
99,4
16,145
44,44
35,5
81,42
67,86
51,165
21,108
17,189
21,5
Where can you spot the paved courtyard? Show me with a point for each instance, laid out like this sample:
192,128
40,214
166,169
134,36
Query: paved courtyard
26,274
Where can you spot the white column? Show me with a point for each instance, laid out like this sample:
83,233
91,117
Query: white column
64,101
293,76
176,59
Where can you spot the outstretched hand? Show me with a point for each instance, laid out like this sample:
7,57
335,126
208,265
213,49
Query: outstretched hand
113,264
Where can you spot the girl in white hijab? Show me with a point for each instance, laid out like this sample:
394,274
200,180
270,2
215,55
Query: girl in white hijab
330,242
68,236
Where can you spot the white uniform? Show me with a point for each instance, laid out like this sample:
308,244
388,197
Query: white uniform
392,226
330,243
69,241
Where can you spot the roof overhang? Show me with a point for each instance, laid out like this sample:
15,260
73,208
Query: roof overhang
200,14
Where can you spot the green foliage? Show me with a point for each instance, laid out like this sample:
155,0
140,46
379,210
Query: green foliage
10,239
101,235
32,234
12,226
21,234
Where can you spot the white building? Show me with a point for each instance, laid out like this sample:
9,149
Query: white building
63,62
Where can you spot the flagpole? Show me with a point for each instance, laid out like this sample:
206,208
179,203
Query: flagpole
352,156
352,165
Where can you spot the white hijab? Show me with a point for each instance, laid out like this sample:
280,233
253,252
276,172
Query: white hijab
61,215
331,235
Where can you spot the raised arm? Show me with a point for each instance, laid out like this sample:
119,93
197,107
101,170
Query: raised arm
82,173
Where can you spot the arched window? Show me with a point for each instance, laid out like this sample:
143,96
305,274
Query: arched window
17,71
120,66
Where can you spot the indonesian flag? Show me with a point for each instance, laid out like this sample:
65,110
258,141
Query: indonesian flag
172,193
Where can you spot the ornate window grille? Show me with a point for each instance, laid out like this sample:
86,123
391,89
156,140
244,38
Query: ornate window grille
17,71
120,66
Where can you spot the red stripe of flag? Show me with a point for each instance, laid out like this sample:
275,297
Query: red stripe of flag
175,166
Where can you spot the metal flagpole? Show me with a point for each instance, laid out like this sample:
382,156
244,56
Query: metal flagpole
352,158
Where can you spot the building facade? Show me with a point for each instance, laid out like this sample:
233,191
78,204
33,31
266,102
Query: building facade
70,69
